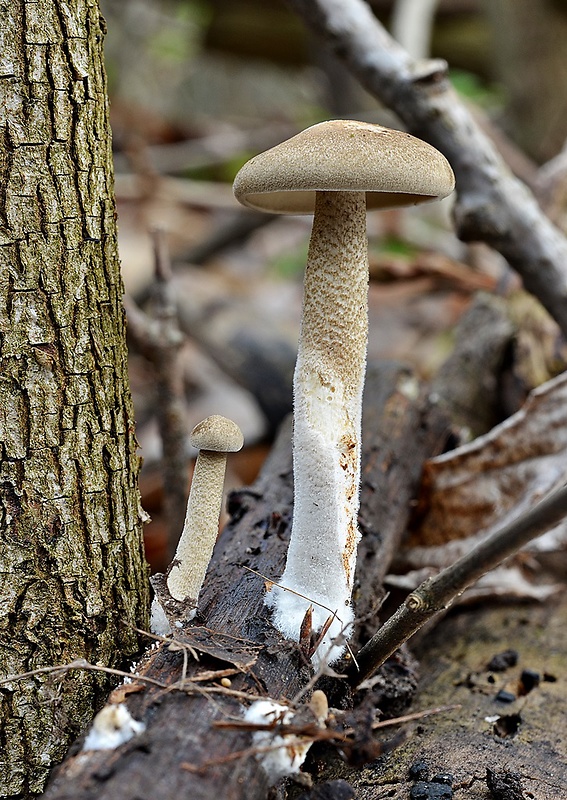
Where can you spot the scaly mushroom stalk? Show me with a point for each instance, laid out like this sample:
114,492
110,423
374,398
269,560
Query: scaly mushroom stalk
215,437
200,528
328,385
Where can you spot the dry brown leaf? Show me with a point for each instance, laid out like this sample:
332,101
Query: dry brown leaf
485,484
241,653
475,489
502,583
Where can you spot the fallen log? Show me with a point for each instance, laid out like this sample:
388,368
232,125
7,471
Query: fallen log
231,654
498,672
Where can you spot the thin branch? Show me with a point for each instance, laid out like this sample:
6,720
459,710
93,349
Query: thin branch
333,614
188,686
412,24
80,663
281,586
436,594
159,338
306,733
491,206
552,188
415,715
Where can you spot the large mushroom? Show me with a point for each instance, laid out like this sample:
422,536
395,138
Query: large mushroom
334,170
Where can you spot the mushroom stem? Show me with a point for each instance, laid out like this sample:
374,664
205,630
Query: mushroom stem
328,385
200,529
333,168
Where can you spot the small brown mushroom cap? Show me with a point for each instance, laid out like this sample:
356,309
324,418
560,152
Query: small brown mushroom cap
217,434
392,167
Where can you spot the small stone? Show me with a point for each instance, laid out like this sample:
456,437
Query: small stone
419,771
427,790
504,785
529,679
502,661
504,696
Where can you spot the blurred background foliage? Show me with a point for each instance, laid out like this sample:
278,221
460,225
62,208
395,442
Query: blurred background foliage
180,64
199,86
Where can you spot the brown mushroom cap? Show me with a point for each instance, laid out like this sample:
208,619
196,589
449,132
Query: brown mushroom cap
392,167
218,434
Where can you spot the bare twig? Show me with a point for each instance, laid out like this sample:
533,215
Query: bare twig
333,615
306,732
186,685
436,594
412,22
415,715
292,591
552,188
81,663
492,206
159,339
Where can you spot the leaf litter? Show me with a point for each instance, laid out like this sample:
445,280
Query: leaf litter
471,491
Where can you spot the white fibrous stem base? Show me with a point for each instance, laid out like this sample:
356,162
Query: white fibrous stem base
328,385
279,755
159,623
318,570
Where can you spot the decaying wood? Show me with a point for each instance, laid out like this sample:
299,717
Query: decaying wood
469,383
401,430
491,205
523,733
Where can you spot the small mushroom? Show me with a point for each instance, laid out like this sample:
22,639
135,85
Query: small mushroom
214,437
281,752
112,726
335,169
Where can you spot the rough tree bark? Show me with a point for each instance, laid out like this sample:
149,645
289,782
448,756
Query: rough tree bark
71,559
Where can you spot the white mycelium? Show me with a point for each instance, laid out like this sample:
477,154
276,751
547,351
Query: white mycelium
159,623
280,755
112,726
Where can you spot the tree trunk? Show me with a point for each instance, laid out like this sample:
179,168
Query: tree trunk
71,558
